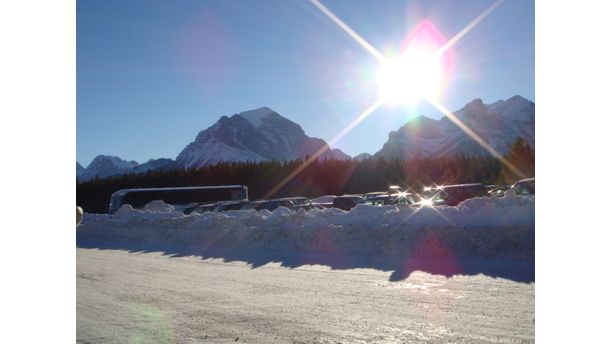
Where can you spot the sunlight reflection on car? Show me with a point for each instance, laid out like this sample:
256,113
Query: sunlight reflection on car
427,202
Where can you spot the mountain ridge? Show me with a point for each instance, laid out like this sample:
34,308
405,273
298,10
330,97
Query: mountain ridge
103,166
255,135
262,135
498,124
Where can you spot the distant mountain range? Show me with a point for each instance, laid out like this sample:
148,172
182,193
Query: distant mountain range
263,134
498,124
104,166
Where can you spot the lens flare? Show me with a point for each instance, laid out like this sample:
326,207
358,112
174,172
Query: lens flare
410,77
402,194
419,71
426,202
426,59
348,30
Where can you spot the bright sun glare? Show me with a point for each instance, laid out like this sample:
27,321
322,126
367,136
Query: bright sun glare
406,79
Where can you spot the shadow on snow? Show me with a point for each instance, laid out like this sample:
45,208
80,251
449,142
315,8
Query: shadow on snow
400,266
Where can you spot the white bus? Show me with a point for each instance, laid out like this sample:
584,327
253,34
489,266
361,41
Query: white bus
177,196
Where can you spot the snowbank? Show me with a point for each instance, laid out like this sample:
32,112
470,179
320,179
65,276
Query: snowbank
480,227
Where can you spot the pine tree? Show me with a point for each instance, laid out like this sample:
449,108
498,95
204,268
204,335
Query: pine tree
522,156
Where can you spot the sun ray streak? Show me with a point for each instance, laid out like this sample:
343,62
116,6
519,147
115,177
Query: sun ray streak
348,30
434,102
475,137
468,28
442,215
356,121
322,150
419,208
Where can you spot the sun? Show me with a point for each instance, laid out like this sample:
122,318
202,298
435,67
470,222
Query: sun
410,77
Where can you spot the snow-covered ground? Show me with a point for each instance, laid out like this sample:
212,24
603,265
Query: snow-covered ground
129,297
480,227
390,274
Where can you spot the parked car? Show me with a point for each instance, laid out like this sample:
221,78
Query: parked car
369,195
452,195
524,187
394,189
347,202
296,200
232,205
322,205
199,208
378,200
492,187
275,203
253,205
270,204
499,191
309,206
402,197
324,199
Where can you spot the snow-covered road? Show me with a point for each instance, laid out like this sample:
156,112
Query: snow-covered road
127,296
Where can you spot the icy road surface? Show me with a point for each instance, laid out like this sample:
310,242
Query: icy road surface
136,297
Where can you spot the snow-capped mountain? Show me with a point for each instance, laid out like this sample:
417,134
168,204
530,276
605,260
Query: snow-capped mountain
152,164
104,166
498,124
362,156
263,134
256,135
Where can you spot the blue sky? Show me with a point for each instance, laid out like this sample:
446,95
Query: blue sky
152,74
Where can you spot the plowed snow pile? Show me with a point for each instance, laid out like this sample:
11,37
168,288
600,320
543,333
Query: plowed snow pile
479,227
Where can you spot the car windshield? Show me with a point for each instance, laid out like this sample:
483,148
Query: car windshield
525,188
325,199
374,194
439,196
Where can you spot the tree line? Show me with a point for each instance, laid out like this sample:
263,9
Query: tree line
323,177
